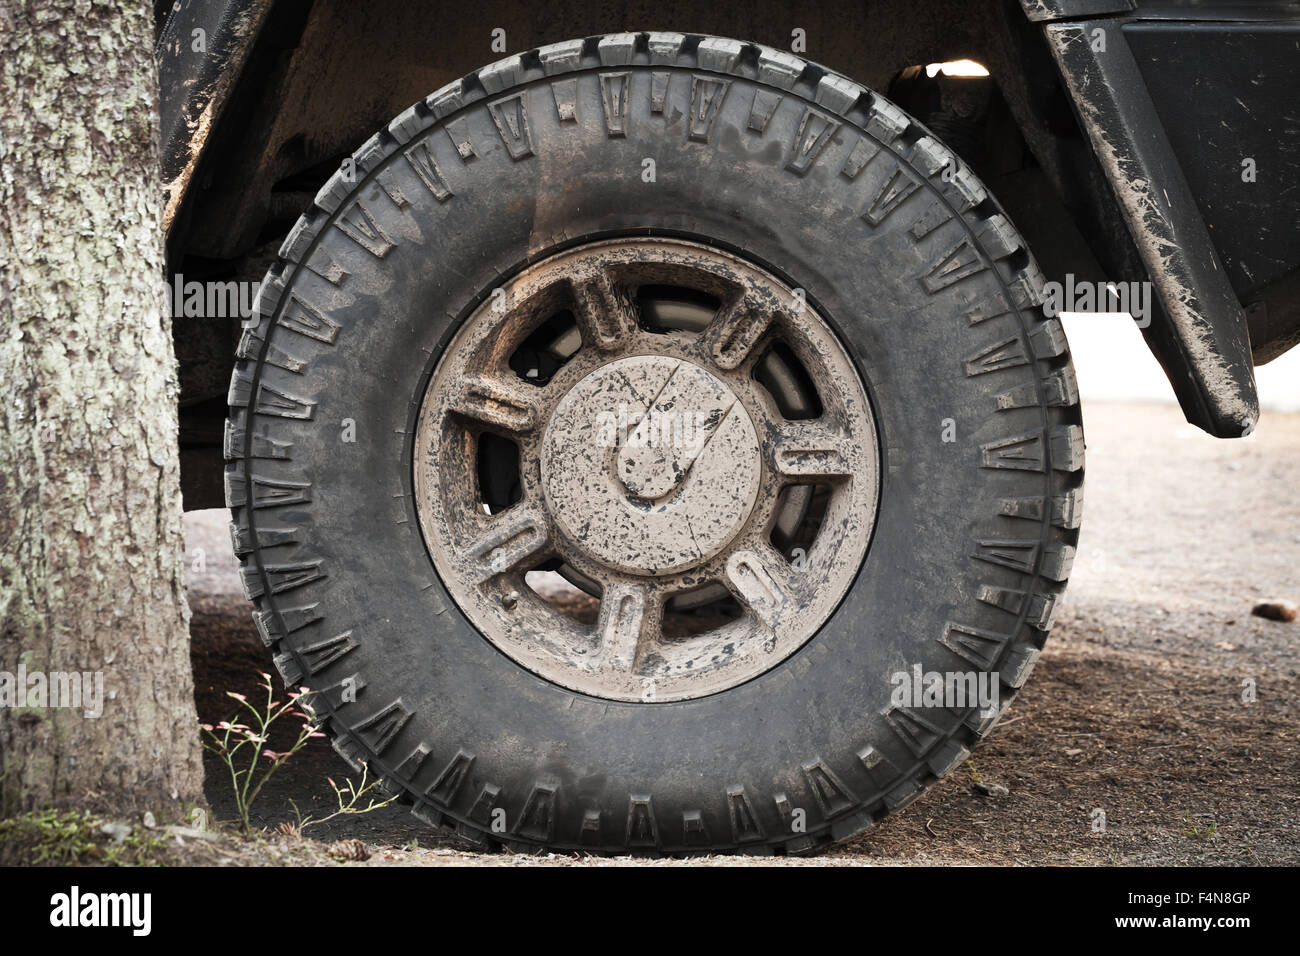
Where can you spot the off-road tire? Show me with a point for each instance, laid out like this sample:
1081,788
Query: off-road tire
800,171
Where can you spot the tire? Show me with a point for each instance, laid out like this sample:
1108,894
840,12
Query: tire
813,181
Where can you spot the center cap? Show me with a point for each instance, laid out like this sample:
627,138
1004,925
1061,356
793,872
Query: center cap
650,464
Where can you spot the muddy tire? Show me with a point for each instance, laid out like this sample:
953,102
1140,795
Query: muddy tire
886,474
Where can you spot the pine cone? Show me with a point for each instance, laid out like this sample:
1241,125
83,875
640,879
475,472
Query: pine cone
353,850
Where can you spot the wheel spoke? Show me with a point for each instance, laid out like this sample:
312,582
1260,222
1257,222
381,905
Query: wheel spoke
604,312
626,618
809,450
738,326
516,535
758,577
495,404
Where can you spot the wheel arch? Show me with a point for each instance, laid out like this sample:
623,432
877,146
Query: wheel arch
278,103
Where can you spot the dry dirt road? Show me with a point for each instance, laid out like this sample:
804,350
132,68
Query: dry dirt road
1135,709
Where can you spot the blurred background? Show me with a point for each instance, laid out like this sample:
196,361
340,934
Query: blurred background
1113,364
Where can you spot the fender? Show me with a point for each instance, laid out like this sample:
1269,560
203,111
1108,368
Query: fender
1200,333
201,50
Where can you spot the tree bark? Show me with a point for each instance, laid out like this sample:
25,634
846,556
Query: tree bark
91,566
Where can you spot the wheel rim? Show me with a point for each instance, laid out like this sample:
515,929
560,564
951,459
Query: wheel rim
672,429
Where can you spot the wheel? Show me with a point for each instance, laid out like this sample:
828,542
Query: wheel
624,452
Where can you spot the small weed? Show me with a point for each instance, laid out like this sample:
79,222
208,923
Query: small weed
348,798
242,747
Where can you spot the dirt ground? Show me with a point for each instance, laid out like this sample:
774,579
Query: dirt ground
1134,711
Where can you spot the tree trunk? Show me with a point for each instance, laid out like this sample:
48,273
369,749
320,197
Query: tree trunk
91,573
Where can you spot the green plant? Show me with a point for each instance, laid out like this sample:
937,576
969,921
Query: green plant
242,747
1198,832
56,838
347,797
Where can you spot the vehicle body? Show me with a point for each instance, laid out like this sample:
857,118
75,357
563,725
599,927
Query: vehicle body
1131,142
277,101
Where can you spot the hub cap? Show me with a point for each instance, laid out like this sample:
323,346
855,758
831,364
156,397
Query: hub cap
650,464
673,431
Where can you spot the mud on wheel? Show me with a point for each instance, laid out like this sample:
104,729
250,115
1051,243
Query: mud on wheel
609,443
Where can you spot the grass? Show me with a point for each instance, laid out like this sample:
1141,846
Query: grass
62,838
